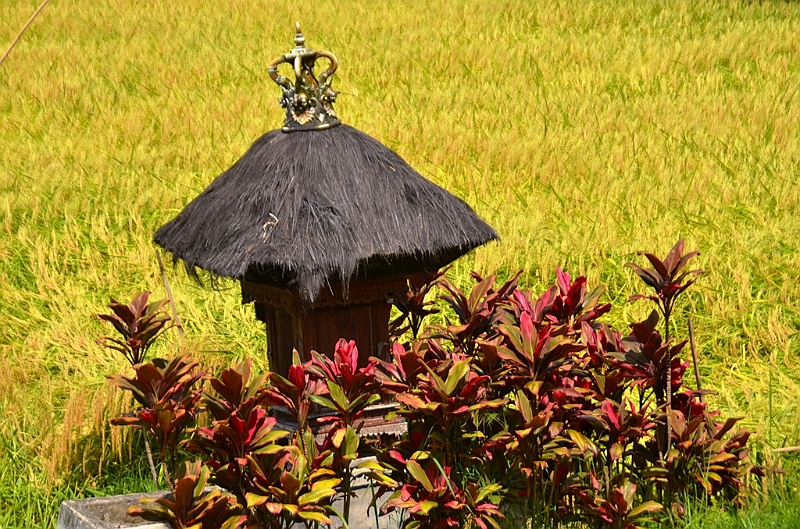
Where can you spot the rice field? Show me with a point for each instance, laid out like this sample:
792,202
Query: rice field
582,131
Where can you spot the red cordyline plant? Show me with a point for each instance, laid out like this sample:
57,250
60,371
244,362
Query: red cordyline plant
292,392
414,306
273,484
553,411
239,427
667,278
618,509
167,403
190,505
165,410
567,302
139,323
350,390
301,493
280,483
518,406
431,499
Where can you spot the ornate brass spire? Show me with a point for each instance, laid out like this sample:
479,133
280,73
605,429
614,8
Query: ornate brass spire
308,102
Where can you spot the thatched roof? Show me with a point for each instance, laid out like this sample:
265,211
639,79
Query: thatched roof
305,208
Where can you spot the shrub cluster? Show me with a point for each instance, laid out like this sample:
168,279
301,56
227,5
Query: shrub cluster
517,406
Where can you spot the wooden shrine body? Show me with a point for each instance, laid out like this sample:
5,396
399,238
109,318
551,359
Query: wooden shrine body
360,313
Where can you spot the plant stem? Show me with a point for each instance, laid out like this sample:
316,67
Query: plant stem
374,505
769,430
694,359
347,480
150,458
169,295
667,314
166,472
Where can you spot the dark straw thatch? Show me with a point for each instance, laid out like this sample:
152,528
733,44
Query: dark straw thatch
306,208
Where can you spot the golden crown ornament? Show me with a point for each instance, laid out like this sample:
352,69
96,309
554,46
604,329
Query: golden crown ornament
309,100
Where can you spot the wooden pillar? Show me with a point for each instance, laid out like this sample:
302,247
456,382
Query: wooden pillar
361,314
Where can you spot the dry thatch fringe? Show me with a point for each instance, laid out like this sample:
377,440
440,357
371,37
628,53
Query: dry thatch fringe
306,208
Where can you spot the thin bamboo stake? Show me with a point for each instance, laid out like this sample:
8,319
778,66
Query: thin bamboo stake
24,28
786,449
169,294
694,359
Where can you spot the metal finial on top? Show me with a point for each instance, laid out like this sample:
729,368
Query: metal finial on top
299,39
309,100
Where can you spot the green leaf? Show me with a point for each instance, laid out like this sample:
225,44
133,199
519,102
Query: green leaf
485,491
338,437
496,403
491,521
331,508
722,457
438,382
426,505
326,484
371,464
202,479
234,522
338,396
254,500
351,441
322,401
593,297
382,479
417,473
458,372
648,506
480,291
444,475
524,406
269,449
271,436
315,496
581,441
534,386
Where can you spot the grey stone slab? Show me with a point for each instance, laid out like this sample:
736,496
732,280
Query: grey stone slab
109,512
104,513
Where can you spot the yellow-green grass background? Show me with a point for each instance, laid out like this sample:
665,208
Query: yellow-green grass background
582,131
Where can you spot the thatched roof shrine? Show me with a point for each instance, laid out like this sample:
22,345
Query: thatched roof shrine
306,208
316,202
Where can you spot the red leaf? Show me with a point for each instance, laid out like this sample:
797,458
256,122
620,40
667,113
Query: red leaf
659,266
674,257
346,353
296,376
564,280
611,413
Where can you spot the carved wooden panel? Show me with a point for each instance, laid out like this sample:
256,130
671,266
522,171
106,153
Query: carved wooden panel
363,316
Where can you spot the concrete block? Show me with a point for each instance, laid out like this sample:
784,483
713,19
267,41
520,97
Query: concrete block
109,512
104,513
